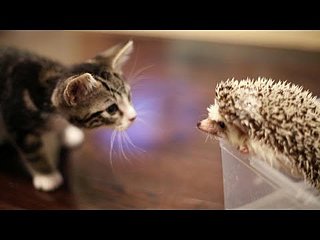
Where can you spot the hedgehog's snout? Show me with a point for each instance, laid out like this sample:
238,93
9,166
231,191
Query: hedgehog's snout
207,125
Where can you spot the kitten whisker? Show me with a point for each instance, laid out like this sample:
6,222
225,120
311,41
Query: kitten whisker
148,114
143,121
131,152
140,71
139,79
142,114
138,84
127,145
132,144
145,109
121,147
113,135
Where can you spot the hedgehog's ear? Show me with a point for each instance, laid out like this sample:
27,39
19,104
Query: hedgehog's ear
117,56
80,88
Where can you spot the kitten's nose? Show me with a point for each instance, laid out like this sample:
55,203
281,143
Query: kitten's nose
198,124
132,114
132,119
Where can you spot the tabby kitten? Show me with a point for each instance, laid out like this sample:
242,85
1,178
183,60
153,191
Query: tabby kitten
44,103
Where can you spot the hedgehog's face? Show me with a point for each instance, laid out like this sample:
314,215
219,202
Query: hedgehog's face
214,124
218,127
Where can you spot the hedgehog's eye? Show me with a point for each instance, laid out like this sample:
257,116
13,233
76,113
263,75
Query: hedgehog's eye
222,124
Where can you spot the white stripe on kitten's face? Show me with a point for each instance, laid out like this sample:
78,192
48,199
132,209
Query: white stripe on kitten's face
129,114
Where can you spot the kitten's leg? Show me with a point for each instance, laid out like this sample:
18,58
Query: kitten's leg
2,137
3,132
39,160
72,136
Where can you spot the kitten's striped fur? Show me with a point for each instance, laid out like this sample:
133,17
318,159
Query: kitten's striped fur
40,98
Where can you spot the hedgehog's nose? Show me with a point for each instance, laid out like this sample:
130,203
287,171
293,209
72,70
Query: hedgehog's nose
198,124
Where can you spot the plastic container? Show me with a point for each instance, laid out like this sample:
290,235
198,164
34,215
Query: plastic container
250,183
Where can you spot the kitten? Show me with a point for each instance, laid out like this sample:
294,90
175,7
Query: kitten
44,103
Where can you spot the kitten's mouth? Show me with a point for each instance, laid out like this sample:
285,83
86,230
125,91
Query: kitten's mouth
122,127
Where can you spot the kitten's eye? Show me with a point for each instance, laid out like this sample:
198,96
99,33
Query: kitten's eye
112,109
222,124
117,75
106,75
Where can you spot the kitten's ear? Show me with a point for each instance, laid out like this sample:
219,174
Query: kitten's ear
79,88
118,55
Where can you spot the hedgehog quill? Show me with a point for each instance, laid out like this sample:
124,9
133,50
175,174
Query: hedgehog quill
277,121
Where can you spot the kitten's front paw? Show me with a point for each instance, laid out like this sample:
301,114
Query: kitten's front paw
47,182
72,137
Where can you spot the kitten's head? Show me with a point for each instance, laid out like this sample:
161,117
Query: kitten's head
95,93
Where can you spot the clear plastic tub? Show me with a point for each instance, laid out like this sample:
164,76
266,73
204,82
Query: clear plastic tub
250,183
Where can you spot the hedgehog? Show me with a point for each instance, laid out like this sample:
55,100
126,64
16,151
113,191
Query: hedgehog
277,121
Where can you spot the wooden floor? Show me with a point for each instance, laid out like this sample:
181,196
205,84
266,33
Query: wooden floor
169,164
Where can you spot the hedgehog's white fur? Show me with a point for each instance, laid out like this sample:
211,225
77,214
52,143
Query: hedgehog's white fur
280,119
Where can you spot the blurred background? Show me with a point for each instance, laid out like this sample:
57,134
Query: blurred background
168,164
